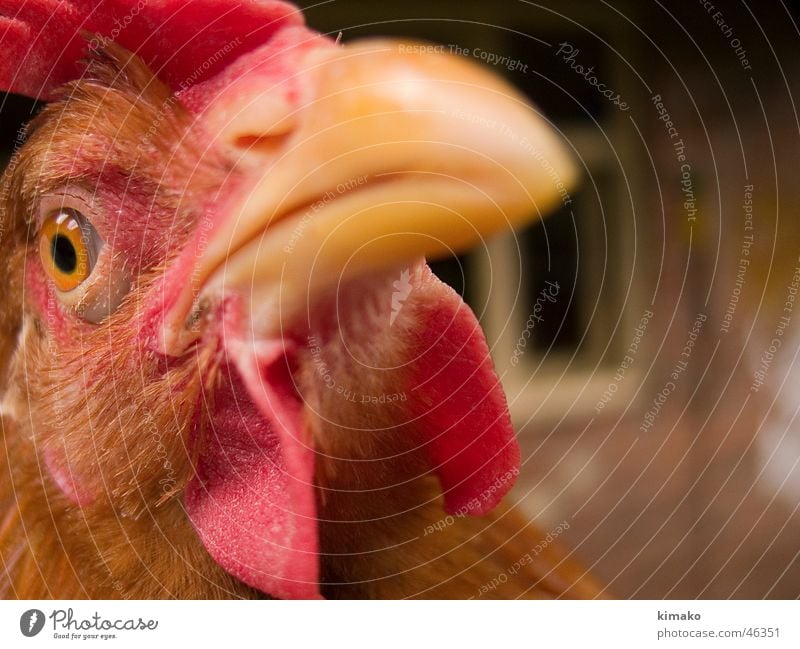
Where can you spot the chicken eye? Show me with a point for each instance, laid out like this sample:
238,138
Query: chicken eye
68,246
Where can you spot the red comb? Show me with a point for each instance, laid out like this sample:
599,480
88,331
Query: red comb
183,41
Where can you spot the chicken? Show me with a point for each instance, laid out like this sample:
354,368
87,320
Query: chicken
226,369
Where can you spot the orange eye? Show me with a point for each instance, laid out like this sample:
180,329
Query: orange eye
68,248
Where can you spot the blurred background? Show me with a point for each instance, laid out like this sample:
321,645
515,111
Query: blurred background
656,397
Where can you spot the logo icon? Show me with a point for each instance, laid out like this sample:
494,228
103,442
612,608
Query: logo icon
31,622
402,289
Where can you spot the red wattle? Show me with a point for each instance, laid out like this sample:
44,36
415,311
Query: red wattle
459,402
252,501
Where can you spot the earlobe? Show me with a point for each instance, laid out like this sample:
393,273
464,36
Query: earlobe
108,294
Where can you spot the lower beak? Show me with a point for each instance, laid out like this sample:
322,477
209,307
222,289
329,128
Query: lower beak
397,153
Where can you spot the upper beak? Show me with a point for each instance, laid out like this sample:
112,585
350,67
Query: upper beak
394,154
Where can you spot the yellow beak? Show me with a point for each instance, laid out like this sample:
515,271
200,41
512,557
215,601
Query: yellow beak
399,154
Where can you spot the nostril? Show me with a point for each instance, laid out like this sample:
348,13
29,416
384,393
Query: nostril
268,144
254,126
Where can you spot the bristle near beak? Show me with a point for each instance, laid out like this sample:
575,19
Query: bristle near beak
396,153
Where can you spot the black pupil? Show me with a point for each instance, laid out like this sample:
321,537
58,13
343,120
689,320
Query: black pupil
65,257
